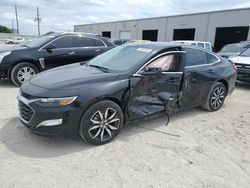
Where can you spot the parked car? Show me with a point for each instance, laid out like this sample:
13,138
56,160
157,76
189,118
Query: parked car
137,41
242,63
127,83
232,50
118,42
200,44
22,62
16,40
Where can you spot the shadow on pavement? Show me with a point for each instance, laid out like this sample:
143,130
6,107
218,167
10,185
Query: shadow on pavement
7,84
21,141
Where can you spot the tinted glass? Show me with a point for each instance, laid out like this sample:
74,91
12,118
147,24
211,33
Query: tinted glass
195,57
88,42
121,58
84,42
211,58
63,42
98,42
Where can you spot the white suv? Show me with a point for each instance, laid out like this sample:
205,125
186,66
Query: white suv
201,44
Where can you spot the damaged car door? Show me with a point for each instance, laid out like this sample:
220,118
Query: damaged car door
156,85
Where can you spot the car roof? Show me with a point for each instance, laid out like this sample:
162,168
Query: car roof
156,45
191,41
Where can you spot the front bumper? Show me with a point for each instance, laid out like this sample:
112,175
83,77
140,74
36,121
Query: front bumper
3,73
243,74
48,121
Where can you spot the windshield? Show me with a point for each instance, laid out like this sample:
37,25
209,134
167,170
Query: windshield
121,58
40,41
231,48
246,53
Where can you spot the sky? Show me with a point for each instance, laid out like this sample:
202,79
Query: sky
62,15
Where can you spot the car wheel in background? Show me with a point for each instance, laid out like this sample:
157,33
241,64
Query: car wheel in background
23,72
101,122
216,97
10,42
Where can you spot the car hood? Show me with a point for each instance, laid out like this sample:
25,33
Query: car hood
228,54
241,60
11,48
72,76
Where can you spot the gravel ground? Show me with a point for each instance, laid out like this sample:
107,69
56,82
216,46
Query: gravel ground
196,149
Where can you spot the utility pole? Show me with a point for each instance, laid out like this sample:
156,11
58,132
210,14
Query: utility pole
38,20
17,26
13,29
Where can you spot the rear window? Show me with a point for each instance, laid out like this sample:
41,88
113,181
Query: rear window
211,58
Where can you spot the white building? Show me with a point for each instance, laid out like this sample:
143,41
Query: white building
217,27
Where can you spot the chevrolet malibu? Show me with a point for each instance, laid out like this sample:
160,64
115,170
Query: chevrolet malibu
96,98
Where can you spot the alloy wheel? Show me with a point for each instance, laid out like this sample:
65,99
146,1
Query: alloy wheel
25,74
218,97
104,124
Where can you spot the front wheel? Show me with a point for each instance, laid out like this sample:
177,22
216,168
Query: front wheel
23,72
101,122
216,97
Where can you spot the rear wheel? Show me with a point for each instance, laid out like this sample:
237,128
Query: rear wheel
216,97
101,123
23,72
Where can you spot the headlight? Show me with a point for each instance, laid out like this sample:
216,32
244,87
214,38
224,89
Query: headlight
55,102
3,54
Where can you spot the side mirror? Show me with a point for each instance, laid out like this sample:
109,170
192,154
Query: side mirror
154,71
49,47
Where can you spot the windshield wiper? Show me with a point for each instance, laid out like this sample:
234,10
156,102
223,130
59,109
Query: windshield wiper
104,69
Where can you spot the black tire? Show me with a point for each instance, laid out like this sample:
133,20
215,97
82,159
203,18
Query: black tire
216,97
92,120
10,42
14,75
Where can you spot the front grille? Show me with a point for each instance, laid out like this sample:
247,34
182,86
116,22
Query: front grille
242,66
25,112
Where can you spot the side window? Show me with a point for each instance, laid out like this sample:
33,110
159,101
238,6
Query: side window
211,58
98,42
207,46
193,44
87,42
64,42
195,57
167,63
201,45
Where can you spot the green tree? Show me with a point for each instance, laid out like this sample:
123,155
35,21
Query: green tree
4,29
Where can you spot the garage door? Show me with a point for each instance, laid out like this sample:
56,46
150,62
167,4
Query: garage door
125,34
228,35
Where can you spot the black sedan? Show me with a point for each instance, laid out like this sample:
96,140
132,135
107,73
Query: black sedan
95,99
22,62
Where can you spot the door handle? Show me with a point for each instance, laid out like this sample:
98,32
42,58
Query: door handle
71,53
98,50
210,71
